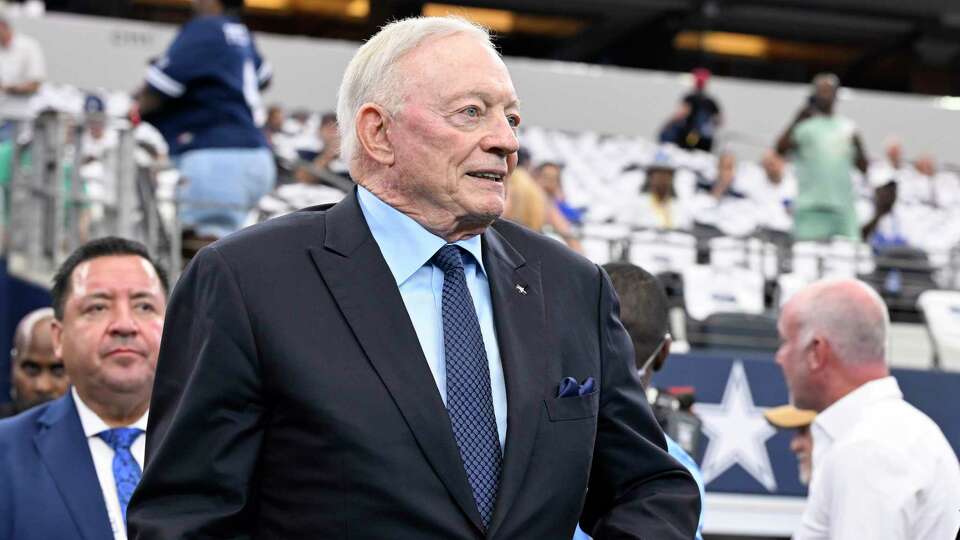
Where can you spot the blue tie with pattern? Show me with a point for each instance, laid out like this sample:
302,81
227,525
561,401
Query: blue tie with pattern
126,470
469,401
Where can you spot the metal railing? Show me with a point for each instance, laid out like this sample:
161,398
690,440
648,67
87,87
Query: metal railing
49,206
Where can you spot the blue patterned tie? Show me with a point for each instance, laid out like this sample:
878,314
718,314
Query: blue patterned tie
126,470
469,402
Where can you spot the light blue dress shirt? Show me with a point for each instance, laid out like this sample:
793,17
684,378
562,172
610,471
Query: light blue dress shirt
408,247
684,458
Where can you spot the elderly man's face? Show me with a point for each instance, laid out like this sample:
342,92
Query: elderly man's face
38,375
802,445
455,137
109,337
792,357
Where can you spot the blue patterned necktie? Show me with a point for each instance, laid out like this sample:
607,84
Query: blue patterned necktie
126,470
469,401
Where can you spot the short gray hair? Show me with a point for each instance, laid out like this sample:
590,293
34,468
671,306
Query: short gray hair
857,328
370,76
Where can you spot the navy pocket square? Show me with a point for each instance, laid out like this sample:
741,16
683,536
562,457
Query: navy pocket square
570,388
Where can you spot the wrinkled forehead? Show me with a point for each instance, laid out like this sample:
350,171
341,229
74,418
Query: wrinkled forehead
452,64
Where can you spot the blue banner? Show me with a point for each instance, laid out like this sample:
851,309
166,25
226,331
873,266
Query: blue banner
742,453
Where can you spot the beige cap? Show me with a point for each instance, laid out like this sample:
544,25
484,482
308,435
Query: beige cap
788,417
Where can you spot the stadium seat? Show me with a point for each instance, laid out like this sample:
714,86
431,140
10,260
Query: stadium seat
663,251
941,311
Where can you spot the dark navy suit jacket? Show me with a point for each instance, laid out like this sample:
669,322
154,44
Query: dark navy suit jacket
48,484
293,400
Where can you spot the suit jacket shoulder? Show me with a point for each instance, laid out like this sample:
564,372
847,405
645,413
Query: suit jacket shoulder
45,448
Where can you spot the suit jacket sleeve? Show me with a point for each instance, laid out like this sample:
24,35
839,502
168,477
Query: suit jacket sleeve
206,414
636,490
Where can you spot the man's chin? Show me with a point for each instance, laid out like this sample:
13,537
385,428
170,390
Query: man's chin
129,384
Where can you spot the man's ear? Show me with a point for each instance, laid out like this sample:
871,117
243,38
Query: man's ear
56,336
372,122
821,354
661,358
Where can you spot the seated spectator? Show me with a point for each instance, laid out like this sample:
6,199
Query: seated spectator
892,167
37,375
772,193
931,187
721,206
549,176
274,124
658,205
325,166
695,122
306,190
527,203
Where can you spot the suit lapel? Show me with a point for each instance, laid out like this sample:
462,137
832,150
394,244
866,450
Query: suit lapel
63,448
518,308
351,265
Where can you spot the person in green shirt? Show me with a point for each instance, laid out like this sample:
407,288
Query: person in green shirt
825,148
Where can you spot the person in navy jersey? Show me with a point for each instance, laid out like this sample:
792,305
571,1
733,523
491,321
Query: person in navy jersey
203,96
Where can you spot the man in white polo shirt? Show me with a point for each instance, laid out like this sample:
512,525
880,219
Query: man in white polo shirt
881,468
69,467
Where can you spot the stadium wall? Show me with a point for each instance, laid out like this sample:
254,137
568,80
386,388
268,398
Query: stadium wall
93,52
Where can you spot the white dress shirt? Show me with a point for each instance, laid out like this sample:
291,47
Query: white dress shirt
881,470
103,460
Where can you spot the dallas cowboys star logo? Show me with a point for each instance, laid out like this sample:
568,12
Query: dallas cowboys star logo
738,433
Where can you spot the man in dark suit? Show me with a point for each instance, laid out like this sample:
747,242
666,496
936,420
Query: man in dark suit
404,364
68,467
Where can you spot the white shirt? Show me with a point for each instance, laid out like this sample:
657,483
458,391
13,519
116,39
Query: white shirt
103,460
881,470
22,61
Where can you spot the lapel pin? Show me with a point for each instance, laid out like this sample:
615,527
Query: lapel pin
521,289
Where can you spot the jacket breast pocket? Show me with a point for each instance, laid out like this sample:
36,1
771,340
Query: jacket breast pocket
574,407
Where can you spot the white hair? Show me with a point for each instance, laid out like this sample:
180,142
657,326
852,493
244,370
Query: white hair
855,324
24,332
370,76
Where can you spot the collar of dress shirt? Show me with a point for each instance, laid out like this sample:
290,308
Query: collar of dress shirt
93,424
840,417
405,244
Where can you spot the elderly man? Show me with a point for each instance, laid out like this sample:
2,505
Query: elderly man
69,467
801,444
36,373
403,364
881,468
